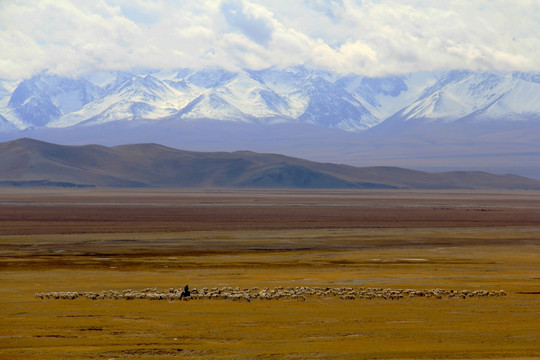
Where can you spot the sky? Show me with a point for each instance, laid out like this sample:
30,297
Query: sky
368,37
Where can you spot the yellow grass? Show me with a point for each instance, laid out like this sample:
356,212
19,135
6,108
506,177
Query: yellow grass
499,327
63,241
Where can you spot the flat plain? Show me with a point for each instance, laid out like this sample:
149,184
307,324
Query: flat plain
116,239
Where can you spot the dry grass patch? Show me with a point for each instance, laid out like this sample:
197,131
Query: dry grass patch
482,251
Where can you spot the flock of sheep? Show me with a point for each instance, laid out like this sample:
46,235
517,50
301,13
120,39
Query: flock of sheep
245,294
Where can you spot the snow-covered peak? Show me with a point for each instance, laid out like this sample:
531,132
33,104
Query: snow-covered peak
460,94
211,106
254,97
142,88
333,107
520,102
127,97
385,96
44,97
297,93
211,78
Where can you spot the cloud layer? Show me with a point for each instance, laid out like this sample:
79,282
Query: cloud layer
349,36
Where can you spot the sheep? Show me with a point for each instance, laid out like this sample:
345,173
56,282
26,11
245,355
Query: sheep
277,293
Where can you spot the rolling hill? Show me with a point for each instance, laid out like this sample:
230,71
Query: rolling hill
28,162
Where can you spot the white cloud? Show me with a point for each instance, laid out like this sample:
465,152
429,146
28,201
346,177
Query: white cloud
256,23
332,9
369,37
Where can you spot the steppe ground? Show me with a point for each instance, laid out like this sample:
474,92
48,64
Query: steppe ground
102,239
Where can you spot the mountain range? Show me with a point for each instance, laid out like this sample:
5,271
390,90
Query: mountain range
455,119
296,94
28,162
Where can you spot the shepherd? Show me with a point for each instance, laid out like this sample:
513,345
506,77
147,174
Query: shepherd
186,292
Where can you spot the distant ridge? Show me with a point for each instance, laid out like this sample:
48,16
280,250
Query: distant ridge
42,183
28,162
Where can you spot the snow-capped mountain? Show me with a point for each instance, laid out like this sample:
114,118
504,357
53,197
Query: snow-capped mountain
292,95
385,96
127,97
479,96
329,104
295,94
45,98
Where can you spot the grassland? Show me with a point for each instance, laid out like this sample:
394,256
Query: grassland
93,240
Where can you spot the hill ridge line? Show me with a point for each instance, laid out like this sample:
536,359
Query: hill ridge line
160,166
